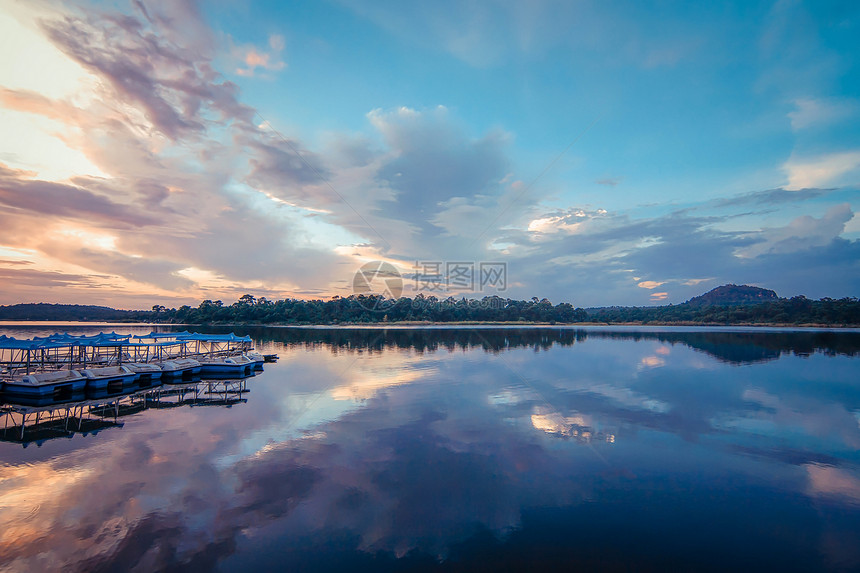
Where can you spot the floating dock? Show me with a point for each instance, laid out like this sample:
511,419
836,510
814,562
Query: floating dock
57,366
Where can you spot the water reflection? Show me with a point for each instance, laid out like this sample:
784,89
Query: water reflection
505,448
734,346
27,420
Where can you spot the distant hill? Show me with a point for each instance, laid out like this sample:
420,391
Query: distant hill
734,294
45,311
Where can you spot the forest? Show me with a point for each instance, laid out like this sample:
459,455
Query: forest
362,309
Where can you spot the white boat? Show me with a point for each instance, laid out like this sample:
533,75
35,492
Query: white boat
112,378
41,384
147,374
237,365
177,367
257,358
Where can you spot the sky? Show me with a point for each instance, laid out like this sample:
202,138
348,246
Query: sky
606,153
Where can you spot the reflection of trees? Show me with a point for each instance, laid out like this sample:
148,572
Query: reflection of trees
419,339
750,347
731,347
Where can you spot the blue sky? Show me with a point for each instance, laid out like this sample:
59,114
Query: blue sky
608,152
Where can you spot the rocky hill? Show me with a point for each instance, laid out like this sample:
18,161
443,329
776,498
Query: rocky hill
734,294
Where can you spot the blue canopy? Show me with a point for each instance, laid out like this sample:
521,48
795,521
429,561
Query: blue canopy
214,337
157,335
9,343
58,340
112,339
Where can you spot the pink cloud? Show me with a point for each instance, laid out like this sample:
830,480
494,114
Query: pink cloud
253,58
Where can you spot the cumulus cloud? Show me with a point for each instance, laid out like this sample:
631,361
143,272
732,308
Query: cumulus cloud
801,234
434,161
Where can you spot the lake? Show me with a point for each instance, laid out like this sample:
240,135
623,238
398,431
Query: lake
459,449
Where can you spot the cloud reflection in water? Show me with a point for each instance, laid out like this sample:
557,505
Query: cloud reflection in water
405,447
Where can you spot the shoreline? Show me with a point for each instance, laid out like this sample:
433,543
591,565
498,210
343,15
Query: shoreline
419,324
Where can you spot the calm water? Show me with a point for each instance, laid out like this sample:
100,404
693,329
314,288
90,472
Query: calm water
463,450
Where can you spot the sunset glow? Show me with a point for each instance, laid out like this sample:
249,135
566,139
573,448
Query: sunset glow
164,152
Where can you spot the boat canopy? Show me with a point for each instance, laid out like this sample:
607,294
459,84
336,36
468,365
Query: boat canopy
157,335
112,339
9,343
64,340
162,344
101,339
214,337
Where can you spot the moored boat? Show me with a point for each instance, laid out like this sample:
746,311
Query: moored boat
178,367
236,365
112,378
257,358
144,370
56,383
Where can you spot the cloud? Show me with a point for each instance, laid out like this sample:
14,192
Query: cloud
253,58
171,80
284,168
433,160
219,202
416,190
32,102
22,280
800,234
175,146
145,270
611,254
817,113
771,197
824,170
188,169
20,192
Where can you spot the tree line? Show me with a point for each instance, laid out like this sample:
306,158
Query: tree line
357,309
371,309
796,310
